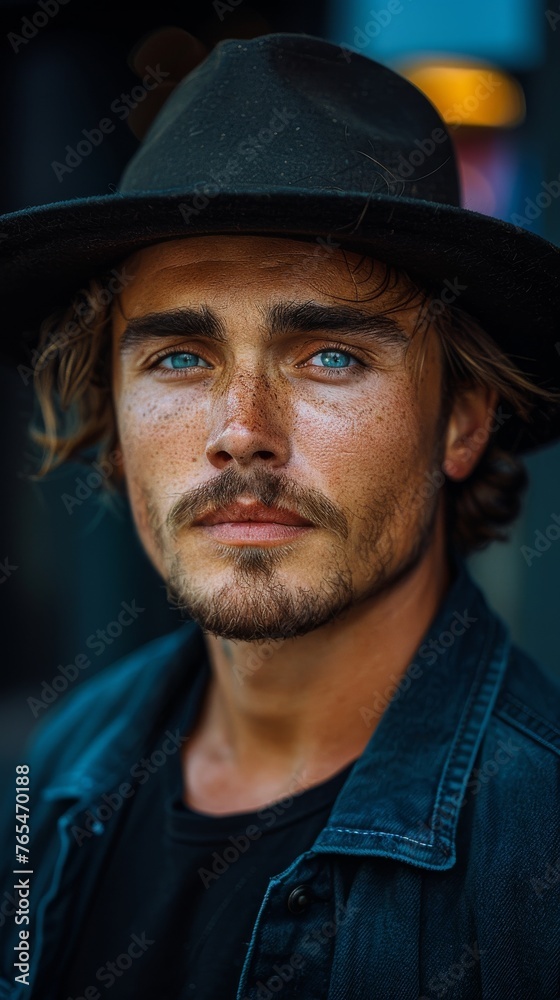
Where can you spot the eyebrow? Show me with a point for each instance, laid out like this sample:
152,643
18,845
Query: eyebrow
279,319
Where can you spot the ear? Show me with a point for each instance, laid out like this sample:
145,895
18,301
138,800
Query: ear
468,430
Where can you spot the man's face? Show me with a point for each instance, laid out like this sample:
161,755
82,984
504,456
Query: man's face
283,409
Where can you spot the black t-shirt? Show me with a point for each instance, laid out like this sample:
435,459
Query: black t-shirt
172,913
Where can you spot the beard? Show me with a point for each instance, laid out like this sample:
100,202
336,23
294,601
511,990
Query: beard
256,605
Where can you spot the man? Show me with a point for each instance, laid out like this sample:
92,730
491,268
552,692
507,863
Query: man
339,779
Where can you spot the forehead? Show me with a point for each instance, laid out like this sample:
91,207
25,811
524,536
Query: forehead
265,251
228,263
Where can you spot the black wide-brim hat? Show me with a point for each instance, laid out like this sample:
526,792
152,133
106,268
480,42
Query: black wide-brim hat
291,135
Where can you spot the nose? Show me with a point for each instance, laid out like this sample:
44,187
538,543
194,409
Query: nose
250,424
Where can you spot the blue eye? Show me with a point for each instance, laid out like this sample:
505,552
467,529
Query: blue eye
338,357
179,357
334,359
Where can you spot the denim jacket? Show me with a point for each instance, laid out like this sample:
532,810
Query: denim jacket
437,873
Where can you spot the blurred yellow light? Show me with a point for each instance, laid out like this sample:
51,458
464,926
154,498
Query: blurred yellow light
469,93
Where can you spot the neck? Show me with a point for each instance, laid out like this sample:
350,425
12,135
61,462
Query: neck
309,705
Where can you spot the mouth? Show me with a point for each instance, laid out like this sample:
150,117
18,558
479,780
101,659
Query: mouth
253,522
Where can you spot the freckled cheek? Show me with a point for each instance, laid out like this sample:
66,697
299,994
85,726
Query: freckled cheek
157,434
161,440
364,441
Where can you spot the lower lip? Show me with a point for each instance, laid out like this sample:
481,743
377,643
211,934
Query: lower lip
255,531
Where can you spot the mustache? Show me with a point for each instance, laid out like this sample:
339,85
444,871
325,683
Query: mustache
270,489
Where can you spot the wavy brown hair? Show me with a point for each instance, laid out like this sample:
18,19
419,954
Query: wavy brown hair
72,379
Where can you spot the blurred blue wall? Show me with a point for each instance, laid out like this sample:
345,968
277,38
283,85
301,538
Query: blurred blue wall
509,32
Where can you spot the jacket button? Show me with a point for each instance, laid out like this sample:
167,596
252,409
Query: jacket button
299,898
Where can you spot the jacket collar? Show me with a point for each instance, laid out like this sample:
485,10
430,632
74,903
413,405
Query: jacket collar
132,702
404,794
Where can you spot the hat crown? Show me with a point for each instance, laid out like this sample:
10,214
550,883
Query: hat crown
292,111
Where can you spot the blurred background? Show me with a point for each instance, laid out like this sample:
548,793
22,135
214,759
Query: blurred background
68,570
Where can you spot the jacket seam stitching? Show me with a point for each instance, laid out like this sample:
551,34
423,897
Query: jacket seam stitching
441,802
533,734
531,713
378,833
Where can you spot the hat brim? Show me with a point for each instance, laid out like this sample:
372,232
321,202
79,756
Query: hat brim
503,275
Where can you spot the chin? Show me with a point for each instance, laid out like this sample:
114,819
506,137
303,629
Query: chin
253,607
